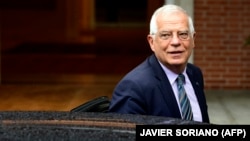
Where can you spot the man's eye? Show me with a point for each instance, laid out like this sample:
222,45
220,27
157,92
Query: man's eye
183,35
165,35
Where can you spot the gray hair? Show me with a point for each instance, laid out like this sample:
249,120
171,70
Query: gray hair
168,9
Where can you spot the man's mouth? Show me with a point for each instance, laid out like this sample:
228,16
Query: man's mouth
175,52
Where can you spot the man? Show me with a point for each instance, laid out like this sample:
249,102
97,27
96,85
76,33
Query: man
151,87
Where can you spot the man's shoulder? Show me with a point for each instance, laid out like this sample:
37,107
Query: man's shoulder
193,67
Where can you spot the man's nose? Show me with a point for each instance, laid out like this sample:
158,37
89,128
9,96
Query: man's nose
175,39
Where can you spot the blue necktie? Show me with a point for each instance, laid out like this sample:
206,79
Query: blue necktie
183,99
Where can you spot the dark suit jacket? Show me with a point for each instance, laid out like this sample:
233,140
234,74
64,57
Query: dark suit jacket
146,90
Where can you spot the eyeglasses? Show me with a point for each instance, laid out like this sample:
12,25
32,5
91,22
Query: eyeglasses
182,35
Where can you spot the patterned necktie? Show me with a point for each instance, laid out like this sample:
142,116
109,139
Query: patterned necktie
183,99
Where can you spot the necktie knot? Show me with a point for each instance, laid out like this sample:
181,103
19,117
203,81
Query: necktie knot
181,79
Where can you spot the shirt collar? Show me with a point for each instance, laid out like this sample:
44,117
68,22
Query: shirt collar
171,75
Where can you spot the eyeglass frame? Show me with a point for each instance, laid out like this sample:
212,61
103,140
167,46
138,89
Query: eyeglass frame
166,35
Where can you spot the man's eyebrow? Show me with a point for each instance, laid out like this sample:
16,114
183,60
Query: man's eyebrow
164,31
172,31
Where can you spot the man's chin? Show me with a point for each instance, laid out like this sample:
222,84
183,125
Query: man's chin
177,63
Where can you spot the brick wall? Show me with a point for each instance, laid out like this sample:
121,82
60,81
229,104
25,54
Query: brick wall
222,27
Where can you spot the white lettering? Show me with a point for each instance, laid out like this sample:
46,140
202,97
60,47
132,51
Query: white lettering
197,132
156,132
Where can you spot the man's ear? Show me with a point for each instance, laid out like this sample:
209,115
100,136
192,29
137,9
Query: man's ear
150,39
194,35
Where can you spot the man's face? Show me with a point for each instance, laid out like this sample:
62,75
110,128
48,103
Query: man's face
173,42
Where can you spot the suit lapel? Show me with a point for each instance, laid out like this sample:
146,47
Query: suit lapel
165,87
195,83
198,88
